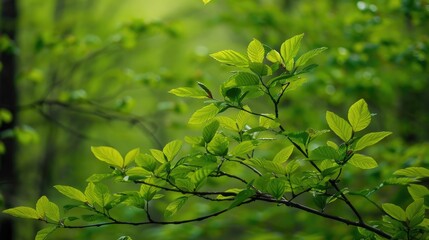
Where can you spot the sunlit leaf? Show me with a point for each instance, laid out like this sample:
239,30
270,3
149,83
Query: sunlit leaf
418,191
245,79
231,57
48,209
218,145
274,56
174,206
370,139
255,51
242,148
131,156
276,187
303,59
290,47
324,152
339,126
359,115
241,197
171,149
71,192
209,131
201,174
108,155
417,172
22,212
394,211
188,92
362,161
283,155
44,233
415,212
204,115
158,155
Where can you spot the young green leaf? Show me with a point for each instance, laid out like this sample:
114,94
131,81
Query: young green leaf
131,156
324,152
147,162
241,197
283,155
218,145
22,212
174,206
245,79
201,174
370,139
205,2
255,51
209,131
172,149
231,57
276,187
97,193
290,47
204,114
395,211
303,59
339,126
362,161
71,192
158,155
414,172
108,155
359,115
242,148
274,57
188,92
418,191
415,212
48,209
44,233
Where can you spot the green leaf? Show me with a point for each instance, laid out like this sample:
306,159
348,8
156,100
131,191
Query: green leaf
418,191
147,162
290,47
395,211
209,131
97,177
128,237
218,145
260,69
274,57
148,192
108,155
370,139
255,51
241,197
324,152
414,172
131,156
205,2
97,193
303,59
158,155
227,122
362,161
269,166
48,209
242,148
283,155
22,212
172,149
201,174
415,212
339,126
204,115
267,122
188,92
138,173
276,187
231,57
245,79
44,233
174,206
359,115
71,192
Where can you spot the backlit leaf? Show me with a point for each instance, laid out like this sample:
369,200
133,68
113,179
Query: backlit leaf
241,197
370,139
242,148
303,59
415,212
171,149
158,155
22,212
276,187
108,155
44,233
255,51
201,174
231,57
394,211
204,115
359,115
174,206
131,156
362,161
274,56
417,172
209,131
245,79
218,145
48,209
339,126
283,155
188,92
71,192
290,47
147,162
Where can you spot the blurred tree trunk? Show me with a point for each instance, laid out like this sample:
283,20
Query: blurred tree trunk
8,100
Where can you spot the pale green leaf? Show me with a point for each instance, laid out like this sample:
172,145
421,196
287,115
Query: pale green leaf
48,209
204,115
242,148
108,155
255,51
339,126
370,139
131,156
171,149
227,122
417,172
71,192
274,57
206,1
44,233
138,172
283,155
199,176
290,47
97,193
303,59
415,212
359,115
158,155
332,145
147,162
218,145
188,92
241,197
231,57
209,131
174,206
417,191
293,85
22,212
394,211
362,161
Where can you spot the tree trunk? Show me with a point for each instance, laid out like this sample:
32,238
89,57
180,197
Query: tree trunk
8,100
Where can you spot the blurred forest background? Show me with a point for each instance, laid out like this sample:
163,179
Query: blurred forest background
81,73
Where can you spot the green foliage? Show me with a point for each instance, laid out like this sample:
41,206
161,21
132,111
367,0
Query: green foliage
230,155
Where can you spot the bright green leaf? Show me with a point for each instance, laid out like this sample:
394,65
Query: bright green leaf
201,174
339,126
218,145
108,155
171,149
204,115
241,197
276,187
324,152
370,139
188,92
209,131
97,193
242,148
359,115
227,123
245,79
303,59
283,155
255,51
44,233
206,1
48,209
147,162
158,155
417,191
174,206
22,212
415,212
394,211
290,47
231,57
274,57
362,161
71,192
417,172
131,156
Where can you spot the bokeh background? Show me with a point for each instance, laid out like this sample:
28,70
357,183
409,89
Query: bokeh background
91,73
